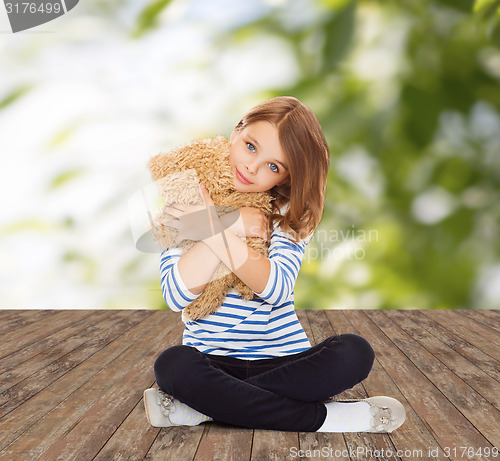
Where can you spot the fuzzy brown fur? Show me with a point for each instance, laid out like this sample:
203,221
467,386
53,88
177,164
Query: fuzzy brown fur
178,174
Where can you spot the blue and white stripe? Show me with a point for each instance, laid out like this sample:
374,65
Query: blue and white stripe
263,327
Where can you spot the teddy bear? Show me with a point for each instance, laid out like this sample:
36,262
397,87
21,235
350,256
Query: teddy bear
178,174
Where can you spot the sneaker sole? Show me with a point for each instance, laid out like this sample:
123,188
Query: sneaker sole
144,396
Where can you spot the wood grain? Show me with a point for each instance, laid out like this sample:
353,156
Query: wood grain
71,385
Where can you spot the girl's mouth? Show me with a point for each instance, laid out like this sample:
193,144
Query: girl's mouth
241,178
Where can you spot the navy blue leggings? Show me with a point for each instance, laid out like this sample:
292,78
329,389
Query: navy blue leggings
282,393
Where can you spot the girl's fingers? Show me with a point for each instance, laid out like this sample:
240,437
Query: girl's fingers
175,223
173,210
206,196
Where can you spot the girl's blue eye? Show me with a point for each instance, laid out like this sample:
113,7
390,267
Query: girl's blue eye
274,168
251,147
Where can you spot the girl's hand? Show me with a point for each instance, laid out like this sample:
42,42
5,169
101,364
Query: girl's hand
251,222
194,222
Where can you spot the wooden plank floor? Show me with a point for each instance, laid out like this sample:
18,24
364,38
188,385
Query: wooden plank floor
71,386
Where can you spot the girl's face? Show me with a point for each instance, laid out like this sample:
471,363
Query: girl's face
257,161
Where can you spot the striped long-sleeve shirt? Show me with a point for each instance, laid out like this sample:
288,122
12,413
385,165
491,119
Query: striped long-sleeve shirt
263,327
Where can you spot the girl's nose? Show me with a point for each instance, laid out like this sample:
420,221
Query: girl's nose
251,167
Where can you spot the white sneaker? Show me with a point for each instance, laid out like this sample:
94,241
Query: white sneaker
158,406
162,410
375,414
387,413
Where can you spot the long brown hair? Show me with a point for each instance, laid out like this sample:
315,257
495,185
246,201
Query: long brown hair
308,157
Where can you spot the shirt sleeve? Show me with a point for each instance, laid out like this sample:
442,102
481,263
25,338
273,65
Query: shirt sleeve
285,257
174,291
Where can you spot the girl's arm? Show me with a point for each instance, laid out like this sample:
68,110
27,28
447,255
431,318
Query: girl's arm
248,265
197,266
175,292
285,258
273,280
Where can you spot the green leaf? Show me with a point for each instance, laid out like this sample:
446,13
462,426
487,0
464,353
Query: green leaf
335,4
65,177
465,6
23,225
481,5
14,95
62,135
339,32
148,17
487,16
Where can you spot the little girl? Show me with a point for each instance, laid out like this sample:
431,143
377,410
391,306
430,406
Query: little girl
250,364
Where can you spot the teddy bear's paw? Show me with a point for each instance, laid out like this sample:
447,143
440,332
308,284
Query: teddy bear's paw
244,291
207,303
257,244
221,271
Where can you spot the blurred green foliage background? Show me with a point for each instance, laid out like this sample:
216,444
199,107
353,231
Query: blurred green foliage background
408,96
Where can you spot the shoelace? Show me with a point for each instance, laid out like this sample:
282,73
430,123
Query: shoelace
165,402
